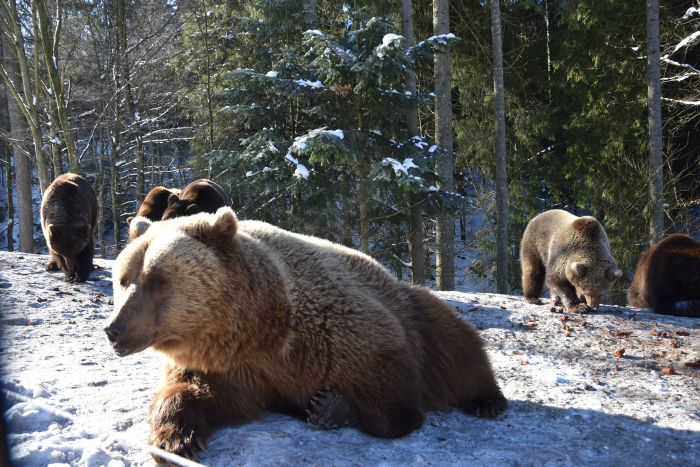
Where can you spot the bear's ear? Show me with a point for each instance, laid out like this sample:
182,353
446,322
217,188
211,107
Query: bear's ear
580,270
51,230
213,229
138,226
129,219
613,274
173,199
191,210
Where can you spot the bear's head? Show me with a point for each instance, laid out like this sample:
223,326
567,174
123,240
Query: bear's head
592,280
168,281
68,239
179,207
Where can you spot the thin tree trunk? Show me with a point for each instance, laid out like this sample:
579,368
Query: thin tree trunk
56,158
49,44
129,98
444,257
656,187
364,208
10,204
21,161
114,188
310,14
501,171
416,231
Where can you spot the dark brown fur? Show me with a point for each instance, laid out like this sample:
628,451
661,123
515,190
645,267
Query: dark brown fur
666,274
199,196
253,317
571,255
68,220
155,204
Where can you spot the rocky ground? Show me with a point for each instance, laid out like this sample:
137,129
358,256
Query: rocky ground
611,387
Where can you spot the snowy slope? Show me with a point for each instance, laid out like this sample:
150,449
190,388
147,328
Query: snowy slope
634,416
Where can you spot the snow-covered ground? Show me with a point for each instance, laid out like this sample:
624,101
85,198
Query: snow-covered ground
572,401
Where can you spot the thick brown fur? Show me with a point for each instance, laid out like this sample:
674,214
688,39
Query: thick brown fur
68,220
666,274
199,196
155,204
571,255
253,317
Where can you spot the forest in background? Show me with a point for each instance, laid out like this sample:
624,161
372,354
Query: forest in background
326,118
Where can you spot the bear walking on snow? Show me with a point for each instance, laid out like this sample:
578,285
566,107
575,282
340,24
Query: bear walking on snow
253,317
571,255
666,274
155,204
68,219
199,196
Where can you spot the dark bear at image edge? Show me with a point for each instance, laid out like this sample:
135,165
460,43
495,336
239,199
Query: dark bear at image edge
199,196
155,203
252,317
666,274
68,220
571,255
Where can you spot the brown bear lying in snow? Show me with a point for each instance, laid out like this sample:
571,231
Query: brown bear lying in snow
666,274
253,317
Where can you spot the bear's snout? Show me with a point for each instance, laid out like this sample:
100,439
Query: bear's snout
114,332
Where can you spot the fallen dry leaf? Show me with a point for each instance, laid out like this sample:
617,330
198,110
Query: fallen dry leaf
682,333
668,371
515,352
524,362
620,353
695,364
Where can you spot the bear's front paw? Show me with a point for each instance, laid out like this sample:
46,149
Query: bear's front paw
52,266
186,435
579,308
489,404
330,409
534,301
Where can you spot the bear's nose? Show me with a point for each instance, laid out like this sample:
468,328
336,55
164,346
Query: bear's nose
114,331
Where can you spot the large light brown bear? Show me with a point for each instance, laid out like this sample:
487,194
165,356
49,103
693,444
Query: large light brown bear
571,255
253,317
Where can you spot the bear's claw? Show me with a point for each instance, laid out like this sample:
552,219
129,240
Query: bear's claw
490,404
534,301
330,409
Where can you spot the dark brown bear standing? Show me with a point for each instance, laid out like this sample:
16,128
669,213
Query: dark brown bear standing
68,219
252,317
571,255
155,204
199,196
666,274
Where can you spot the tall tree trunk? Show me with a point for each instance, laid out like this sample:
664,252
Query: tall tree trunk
114,187
444,258
311,14
7,150
19,84
49,43
54,140
656,187
364,208
129,98
6,153
501,172
21,161
416,230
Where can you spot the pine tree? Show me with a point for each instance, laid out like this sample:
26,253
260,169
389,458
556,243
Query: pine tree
312,125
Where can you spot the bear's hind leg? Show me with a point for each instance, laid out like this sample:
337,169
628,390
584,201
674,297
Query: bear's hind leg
533,278
388,395
330,409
